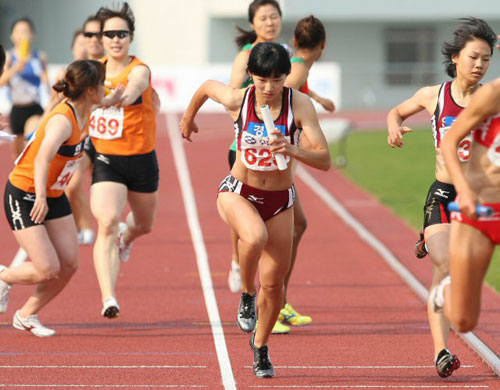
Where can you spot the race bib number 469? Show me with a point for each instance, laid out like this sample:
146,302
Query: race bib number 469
106,123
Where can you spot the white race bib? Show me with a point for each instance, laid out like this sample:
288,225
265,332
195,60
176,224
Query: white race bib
106,123
65,175
255,152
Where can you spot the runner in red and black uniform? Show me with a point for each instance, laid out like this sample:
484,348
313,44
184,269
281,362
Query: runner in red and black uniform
256,198
472,238
467,59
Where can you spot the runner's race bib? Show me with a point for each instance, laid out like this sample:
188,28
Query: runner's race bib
255,152
66,175
465,144
106,123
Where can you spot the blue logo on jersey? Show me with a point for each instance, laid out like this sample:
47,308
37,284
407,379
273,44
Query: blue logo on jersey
448,120
259,129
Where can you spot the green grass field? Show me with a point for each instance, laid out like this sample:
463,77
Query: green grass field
399,178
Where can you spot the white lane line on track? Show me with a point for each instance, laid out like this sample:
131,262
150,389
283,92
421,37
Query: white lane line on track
486,354
10,385
355,367
372,387
200,250
113,367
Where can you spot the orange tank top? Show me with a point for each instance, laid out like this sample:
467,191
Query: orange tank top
128,130
64,163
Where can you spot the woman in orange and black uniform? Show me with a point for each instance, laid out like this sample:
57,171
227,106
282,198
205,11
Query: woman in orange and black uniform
125,165
35,204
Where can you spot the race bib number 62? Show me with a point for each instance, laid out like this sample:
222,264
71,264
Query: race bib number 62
106,123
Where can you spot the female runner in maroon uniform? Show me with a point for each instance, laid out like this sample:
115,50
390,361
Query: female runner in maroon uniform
256,198
473,239
467,59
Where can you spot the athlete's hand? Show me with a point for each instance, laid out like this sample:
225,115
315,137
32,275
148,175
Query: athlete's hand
395,137
498,46
279,144
327,104
115,97
39,210
467,202
187,127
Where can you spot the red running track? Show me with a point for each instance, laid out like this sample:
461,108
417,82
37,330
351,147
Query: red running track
369,329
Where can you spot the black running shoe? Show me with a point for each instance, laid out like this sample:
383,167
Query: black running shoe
446,363
247,317
262,366
420,248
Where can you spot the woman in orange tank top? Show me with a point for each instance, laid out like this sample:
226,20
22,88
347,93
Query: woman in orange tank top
35,204
125,166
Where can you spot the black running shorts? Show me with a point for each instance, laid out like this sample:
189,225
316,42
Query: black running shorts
20,114
436,206
18,205
139,172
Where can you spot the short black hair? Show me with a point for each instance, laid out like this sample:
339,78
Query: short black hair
124,13
91,18
469,29
269,59
25,20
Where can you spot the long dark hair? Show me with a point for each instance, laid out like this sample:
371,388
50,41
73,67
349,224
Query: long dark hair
81,75
469,29
269,59
249,36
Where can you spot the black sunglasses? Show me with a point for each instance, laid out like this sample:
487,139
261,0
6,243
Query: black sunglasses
92,34
116,33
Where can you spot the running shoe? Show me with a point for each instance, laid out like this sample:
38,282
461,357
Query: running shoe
4,293
436,295
293,317
123,250
110,308
420,247
234,279
86,237
446,363
278,328
32,324
262,366
247,317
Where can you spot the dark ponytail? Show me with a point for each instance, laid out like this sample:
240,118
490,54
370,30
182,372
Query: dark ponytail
80,75
248,36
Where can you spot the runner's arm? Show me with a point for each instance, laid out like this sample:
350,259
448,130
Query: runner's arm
229,97
421,100
239,70
57,131
138,81
316,154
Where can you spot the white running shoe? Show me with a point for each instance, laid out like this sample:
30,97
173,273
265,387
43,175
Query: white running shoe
4,293
32,324
234,279
123,250
110,308
86,237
